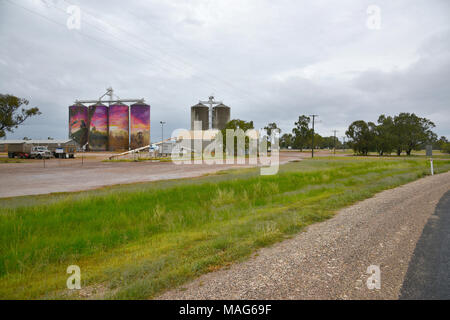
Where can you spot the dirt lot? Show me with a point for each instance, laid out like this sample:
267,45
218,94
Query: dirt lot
87,171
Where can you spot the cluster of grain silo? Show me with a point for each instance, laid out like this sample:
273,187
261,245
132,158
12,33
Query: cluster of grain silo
200,112
119,127
98,127
139,125
220,114
78,123
116,127
111,125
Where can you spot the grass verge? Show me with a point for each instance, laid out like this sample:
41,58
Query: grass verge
10,160
138,240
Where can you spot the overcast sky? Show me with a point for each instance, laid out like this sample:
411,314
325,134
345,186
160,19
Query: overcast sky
270,61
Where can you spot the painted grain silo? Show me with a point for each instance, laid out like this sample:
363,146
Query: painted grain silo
139,125
98,127
220,116
118,121
200,112
78,124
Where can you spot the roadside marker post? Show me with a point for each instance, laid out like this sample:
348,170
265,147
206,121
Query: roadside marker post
429,153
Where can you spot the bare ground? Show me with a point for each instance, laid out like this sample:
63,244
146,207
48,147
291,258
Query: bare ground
31,177
330,259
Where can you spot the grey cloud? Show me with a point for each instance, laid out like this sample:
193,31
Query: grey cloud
270,61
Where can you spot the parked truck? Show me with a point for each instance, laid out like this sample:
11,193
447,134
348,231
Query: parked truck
29,151
22,148
64,151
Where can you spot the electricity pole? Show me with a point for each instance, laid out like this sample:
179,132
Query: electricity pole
162,137
343,145
335,141
162,130
312,142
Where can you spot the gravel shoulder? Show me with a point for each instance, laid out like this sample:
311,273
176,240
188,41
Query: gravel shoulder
330,259
428,275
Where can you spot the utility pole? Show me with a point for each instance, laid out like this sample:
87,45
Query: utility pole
343,145
335,141
312,142
162,130
162,137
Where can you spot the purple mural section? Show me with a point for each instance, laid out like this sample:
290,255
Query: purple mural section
139,125
118,127
78,124
98,127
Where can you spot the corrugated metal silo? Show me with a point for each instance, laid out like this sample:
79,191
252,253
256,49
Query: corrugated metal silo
220,116
98,127
139,125
200,112
78,124
119,131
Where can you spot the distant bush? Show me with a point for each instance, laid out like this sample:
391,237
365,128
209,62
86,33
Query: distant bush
446,147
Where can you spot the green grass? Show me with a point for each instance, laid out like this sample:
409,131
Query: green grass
10,160
135,241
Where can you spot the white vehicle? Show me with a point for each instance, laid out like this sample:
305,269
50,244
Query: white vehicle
40,152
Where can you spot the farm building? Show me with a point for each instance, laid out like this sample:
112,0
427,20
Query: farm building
52,145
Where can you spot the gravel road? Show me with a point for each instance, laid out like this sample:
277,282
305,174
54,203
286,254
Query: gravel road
330,259
31,178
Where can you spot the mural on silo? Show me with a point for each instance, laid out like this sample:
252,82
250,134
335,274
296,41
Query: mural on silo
118,127
78,124
140,125
98,127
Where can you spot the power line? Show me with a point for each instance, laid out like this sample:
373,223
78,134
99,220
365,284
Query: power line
226,82
142,41
212,76
145,53
60,24
79,32
92,38
168,63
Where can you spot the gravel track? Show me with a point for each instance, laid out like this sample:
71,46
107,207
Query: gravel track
330,259
31,178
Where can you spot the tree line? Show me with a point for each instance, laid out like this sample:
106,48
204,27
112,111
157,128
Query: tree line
404,132
301,137
401,133
302,134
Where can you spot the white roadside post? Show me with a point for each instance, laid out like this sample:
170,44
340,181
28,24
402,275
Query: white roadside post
429,152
